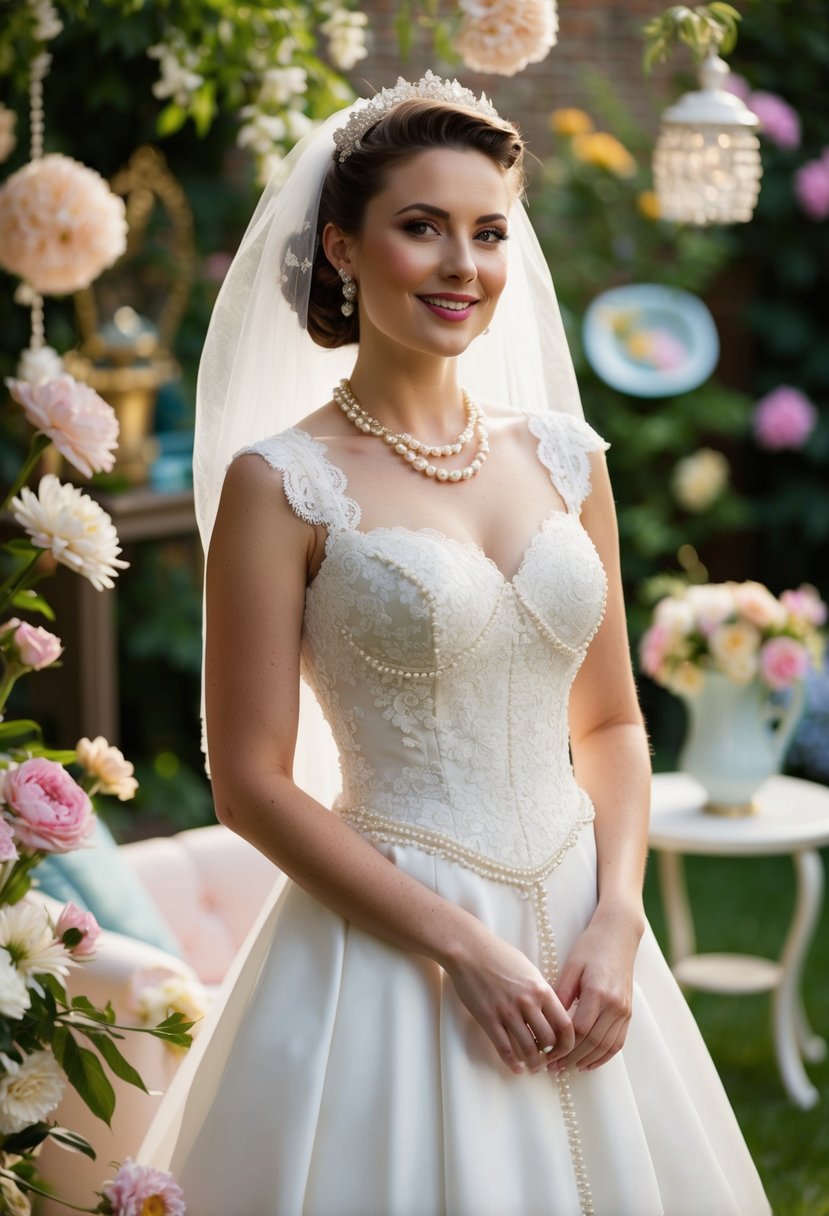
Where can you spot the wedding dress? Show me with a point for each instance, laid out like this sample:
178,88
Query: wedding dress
342,1076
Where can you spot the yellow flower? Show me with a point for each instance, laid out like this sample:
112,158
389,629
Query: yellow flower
570,121
686,680
604,150
648,204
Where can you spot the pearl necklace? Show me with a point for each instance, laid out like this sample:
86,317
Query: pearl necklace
416,453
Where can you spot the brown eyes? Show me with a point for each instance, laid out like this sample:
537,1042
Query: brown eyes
488,236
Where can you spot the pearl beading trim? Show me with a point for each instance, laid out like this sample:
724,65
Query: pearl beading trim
529,882
413,451
429,88
413,673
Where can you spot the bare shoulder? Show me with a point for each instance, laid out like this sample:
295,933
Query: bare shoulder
253,505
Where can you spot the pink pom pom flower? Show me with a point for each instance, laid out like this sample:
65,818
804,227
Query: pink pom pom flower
779,122
141,1190
784,418
51,813
811,187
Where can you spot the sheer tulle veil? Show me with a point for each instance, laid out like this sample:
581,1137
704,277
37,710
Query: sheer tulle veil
260,372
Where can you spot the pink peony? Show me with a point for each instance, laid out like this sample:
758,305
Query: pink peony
654,647
73,917
783,661
784,418
80,424
60,225
8,849
51,811
778,120
811,187
503,36
805,606
36,647
142,1190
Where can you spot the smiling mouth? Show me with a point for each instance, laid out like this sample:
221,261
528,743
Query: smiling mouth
449,303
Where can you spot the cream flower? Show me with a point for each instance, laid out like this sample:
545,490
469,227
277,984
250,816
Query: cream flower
700,479
8,140
14,995
80,424
757,604
29,1091
676,615
155,994
106,764
75,528
27,934
503,36
346,34
41,364
735,649
13,1202
60,225
711,603
686,680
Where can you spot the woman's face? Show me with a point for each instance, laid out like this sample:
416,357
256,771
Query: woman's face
431,260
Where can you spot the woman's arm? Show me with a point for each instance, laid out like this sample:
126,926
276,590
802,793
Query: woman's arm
611,760
257,567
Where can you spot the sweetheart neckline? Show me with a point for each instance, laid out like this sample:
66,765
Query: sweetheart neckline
468,546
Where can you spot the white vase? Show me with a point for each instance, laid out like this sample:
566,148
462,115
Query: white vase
737,737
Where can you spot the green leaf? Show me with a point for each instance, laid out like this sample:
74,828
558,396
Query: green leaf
27,1139
59,755
85,1072
120,1066
66,1138
19,728
29,601
171,119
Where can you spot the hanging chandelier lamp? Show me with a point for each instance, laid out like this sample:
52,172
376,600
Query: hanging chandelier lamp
706,163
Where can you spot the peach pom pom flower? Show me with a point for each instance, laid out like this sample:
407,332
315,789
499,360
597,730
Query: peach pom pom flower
503,36
60,225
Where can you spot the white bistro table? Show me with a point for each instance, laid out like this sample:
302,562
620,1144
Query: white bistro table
793,819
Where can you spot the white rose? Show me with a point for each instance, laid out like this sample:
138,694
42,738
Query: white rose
757,604
711,604
676,615
686,680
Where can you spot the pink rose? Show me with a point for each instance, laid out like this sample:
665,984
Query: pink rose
653,648
51,811
8,849
778,120
82,426
138,1189
805,606
784,418
36,647
811,187
783,661
73,917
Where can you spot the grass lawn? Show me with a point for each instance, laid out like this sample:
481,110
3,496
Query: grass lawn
745,905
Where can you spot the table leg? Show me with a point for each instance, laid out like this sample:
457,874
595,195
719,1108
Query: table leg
681,938
792,1033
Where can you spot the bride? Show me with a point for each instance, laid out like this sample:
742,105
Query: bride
455,1007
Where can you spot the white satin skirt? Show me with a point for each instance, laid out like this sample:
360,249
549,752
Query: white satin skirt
341,1076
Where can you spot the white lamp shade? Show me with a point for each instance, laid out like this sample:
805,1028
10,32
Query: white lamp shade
706,163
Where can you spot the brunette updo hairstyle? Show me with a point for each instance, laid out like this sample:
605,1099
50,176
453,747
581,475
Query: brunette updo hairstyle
411,127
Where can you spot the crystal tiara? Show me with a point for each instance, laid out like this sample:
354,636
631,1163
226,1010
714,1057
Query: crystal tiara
429,88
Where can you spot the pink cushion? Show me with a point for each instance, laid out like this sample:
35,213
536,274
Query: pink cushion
209,885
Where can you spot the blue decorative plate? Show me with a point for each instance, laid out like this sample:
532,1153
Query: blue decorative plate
650,341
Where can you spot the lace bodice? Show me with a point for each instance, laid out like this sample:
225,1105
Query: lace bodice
445,683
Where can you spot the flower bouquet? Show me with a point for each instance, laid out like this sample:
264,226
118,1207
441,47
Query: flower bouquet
738,656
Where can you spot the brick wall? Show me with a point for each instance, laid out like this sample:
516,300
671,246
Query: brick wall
602,38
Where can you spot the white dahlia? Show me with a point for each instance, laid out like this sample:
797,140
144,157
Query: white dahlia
28,1091
27,935
73,527
14,995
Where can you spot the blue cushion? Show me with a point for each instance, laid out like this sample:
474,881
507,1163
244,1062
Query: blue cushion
98,880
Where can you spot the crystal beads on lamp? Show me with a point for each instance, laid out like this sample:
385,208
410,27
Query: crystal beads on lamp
706,163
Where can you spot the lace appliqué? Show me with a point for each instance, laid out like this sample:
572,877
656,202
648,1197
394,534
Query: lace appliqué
314,488
563,444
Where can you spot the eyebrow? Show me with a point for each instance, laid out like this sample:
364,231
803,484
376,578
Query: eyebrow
444,215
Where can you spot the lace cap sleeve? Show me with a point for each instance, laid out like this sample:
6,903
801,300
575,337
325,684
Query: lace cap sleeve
564,442
314,488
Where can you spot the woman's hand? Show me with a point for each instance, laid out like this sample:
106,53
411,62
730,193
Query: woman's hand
596,987
512,1001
